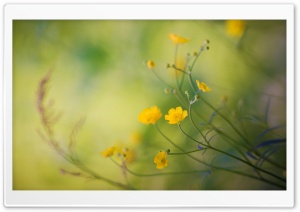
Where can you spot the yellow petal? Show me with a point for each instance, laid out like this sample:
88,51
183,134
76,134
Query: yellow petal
177,39
172,111
184,114
179,110
235,28
160,166
150,64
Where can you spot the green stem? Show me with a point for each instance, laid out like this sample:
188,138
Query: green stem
159,174
183,76
175,59
192,121
229,122
222,133
191,82
233,156
183,153
196,58
216,167
162,80
178,147
178,69
241,153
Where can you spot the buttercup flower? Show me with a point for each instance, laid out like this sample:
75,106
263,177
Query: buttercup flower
235,28
161,160
150,115
129,155
150,64
202,86
175,116
126,154
177,39
108,152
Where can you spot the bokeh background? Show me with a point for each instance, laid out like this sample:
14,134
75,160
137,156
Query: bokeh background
99,73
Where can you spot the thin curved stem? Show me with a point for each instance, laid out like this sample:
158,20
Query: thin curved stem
216,167
184,153
229,122
196,58
192,121
162,80
241,153
233,156
159,174
191,82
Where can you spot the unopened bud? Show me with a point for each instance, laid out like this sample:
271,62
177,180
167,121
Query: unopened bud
206,41
150,64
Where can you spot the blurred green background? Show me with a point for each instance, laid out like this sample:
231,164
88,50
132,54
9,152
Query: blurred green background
99,73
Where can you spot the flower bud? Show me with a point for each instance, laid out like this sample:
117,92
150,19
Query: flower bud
150,64
206,42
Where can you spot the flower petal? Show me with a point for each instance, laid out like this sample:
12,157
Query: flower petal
179,110
184,114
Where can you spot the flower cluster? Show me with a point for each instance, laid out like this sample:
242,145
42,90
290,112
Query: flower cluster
202,130
234,28
153,114
127,155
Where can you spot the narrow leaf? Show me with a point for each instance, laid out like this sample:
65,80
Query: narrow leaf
265,132
270,142
212,116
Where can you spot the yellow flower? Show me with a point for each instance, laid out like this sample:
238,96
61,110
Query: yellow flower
175,116
177,39
150,64
129,155
235,28
150,115
126,154
202,86
161,160
108,152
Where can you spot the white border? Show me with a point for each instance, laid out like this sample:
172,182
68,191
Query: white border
147,198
